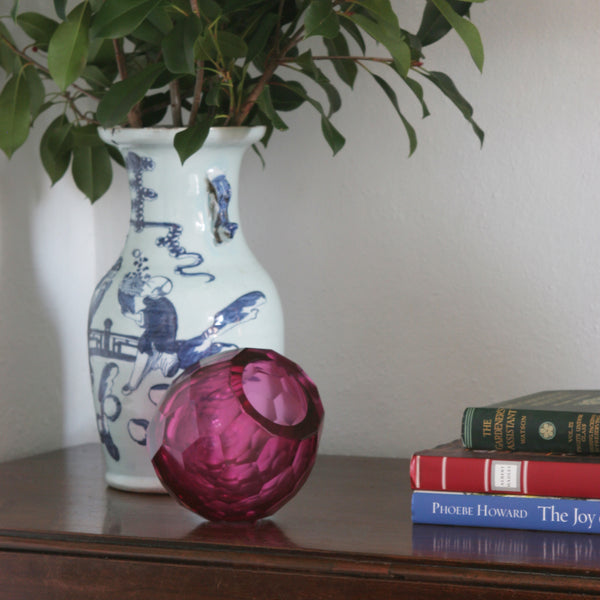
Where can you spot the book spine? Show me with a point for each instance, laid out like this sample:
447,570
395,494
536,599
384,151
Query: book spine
531,430
507,512
478,474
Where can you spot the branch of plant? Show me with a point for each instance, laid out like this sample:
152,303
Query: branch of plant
120,58
197,92
175,95
256,92
42,68
415,65
278,27
352,58
270,68
229,86
78,114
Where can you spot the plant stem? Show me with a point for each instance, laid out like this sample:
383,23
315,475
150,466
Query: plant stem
42,68
120,58
195,9
278,29
197,92
356,59
134,117
256,92
78,114
268,73
175,95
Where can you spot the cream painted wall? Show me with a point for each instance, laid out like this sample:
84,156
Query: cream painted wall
412,287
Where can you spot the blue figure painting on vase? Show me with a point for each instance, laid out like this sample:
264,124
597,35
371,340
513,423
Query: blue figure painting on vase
144,300
185,288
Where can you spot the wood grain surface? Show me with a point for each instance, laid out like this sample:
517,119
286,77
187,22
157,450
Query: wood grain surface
347,535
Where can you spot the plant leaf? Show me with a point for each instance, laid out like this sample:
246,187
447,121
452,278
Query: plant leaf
390,37
68,48
14,9
412,136
381,23
333,137
115,155
55,148
320,19
417,90
434,26
102,54
154,27
230,45
86,135
9,61
209,9
259,154
178,46
190,140
345,68
147,32
37,91
38,27
465,29
153,108
118,18
259,39
447,87
95,77
282,96
212,97
265,104
382,11
310,69
161,20
354,33
60,7
219,45
92,170
124,95
15,118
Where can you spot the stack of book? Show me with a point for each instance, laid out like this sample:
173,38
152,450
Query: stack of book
528,463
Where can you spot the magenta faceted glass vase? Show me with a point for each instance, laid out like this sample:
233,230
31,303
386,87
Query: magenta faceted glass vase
236,436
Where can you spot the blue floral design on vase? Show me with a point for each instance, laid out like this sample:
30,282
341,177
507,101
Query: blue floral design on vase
186,286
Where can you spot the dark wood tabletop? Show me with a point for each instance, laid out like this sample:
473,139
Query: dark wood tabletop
346,535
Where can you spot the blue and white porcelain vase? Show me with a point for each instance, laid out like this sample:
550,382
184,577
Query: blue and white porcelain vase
186,286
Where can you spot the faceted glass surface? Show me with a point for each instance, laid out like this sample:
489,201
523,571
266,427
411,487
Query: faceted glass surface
236,436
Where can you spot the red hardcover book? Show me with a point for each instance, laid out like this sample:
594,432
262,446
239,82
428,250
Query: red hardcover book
453,468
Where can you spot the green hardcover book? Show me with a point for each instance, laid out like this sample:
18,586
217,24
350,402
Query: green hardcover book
565,421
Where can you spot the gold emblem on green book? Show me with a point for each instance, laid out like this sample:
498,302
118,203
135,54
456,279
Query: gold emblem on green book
547,430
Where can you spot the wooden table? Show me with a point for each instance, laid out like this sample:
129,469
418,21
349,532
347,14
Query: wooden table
347,535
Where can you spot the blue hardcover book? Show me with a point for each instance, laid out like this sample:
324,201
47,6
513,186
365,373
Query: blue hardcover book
504,511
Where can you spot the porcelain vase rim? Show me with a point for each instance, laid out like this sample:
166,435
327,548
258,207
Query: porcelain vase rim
218,136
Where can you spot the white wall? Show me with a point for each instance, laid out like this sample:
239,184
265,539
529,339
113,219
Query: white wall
412,287
47,277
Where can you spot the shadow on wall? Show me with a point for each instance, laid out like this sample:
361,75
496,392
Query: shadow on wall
30,355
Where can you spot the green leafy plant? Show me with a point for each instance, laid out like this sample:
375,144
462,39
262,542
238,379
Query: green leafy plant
194,64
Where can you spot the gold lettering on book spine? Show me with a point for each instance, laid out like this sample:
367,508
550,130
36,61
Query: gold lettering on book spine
499,429
511,420
579,433
594,434
523,430
486,428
